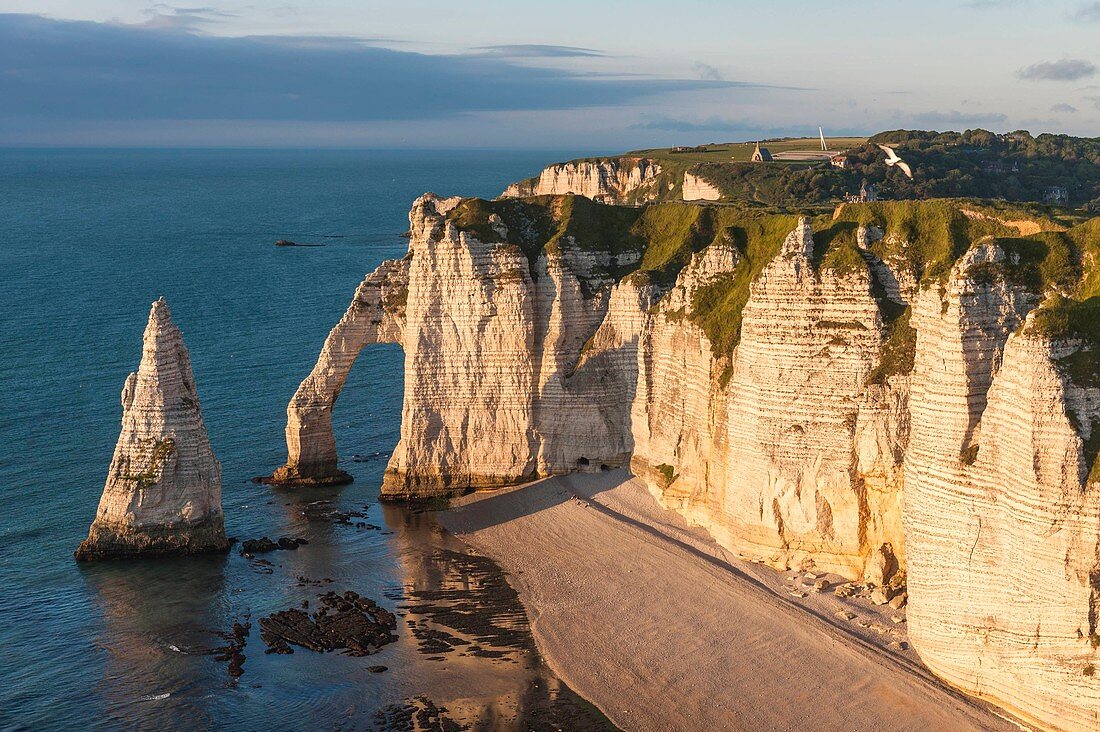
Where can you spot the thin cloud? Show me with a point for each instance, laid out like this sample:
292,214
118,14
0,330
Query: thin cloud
538,50
953,117
706,71
714,124
1089,13
992,4
77,71
1063,107
168,17
1067,69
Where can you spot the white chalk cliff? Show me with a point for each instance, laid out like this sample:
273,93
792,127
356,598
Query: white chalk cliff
696,188
614,180
163,490
868,394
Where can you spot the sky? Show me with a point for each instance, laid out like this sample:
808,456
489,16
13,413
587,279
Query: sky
539,75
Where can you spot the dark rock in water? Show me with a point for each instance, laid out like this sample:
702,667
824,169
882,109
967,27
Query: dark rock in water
233,651
357,625
264,544
416,715
378,669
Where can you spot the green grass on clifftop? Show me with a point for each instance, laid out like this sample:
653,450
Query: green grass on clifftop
924,238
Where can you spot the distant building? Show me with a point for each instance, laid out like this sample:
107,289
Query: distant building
761,154
839,161
868,192
1000,167
1056,194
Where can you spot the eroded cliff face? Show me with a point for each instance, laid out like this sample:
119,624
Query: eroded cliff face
896,391
615,180
1002,521
696,188
163,489
777,449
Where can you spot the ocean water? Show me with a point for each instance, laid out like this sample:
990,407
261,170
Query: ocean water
88,239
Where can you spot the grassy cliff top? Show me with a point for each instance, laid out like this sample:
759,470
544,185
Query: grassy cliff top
1015,167
1048,253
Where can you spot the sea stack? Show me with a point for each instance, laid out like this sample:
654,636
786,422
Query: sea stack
163,491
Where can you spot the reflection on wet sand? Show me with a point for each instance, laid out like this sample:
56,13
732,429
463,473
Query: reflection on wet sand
464,658
157,623
470,623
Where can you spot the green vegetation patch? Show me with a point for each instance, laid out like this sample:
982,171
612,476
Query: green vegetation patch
158,454
668,473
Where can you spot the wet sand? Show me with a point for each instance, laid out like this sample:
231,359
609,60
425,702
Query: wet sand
663,630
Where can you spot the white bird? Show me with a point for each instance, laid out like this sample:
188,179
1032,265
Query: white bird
893,159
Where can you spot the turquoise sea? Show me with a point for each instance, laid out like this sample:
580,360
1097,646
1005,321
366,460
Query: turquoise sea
88,239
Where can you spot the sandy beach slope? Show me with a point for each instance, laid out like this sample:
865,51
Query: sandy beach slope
664,630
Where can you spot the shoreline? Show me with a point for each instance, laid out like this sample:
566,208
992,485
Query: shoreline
728,644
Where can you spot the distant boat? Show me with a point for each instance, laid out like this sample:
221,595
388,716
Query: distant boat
288,243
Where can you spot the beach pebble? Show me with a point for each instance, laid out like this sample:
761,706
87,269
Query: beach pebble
897,618
845,615
796,593
821,584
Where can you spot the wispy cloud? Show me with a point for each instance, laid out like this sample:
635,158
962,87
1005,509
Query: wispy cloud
538,50
168,17
706,71
1067,69
1063,107
1089,13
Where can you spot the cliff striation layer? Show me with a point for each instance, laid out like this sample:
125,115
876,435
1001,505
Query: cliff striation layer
899,392
696,188
612,180
163,490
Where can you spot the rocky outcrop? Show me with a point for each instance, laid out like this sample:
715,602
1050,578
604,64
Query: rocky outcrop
614,180
376,315
696,188
163,490
518,362
869,394
533,375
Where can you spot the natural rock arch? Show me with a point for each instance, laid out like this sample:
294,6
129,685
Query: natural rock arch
376,315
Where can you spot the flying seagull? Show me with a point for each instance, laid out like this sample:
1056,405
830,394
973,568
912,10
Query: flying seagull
893,159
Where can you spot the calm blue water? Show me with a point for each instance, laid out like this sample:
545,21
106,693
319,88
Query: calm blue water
87,240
